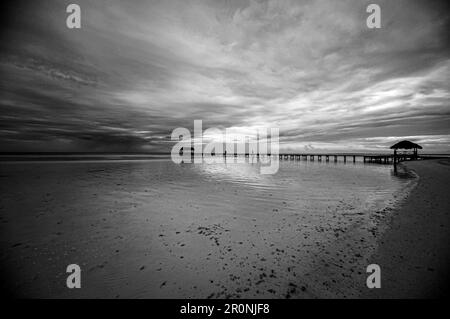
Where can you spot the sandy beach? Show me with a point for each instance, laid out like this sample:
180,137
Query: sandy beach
413,252
139,230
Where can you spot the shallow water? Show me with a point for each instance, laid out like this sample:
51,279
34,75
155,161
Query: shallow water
153,228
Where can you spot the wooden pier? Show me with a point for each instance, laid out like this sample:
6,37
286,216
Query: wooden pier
327,157
380,159
366,158
383,159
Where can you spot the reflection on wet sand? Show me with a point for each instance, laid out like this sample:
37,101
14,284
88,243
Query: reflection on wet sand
157,229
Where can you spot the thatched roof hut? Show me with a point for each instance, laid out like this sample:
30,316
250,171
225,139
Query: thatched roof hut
406,145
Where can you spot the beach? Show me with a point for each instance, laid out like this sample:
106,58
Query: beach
153,229
252,150
413,252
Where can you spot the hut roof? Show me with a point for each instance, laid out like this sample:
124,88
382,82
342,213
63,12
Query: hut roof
406,145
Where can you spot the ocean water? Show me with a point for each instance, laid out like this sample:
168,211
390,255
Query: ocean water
153,228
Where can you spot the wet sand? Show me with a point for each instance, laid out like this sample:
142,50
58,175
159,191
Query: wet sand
414,252
138,234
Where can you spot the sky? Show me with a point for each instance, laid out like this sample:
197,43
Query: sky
136,70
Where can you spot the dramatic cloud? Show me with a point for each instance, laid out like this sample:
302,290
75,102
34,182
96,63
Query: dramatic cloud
136,70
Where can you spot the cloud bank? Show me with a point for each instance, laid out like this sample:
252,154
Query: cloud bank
136,70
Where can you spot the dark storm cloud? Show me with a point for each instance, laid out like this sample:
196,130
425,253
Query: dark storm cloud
137,70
